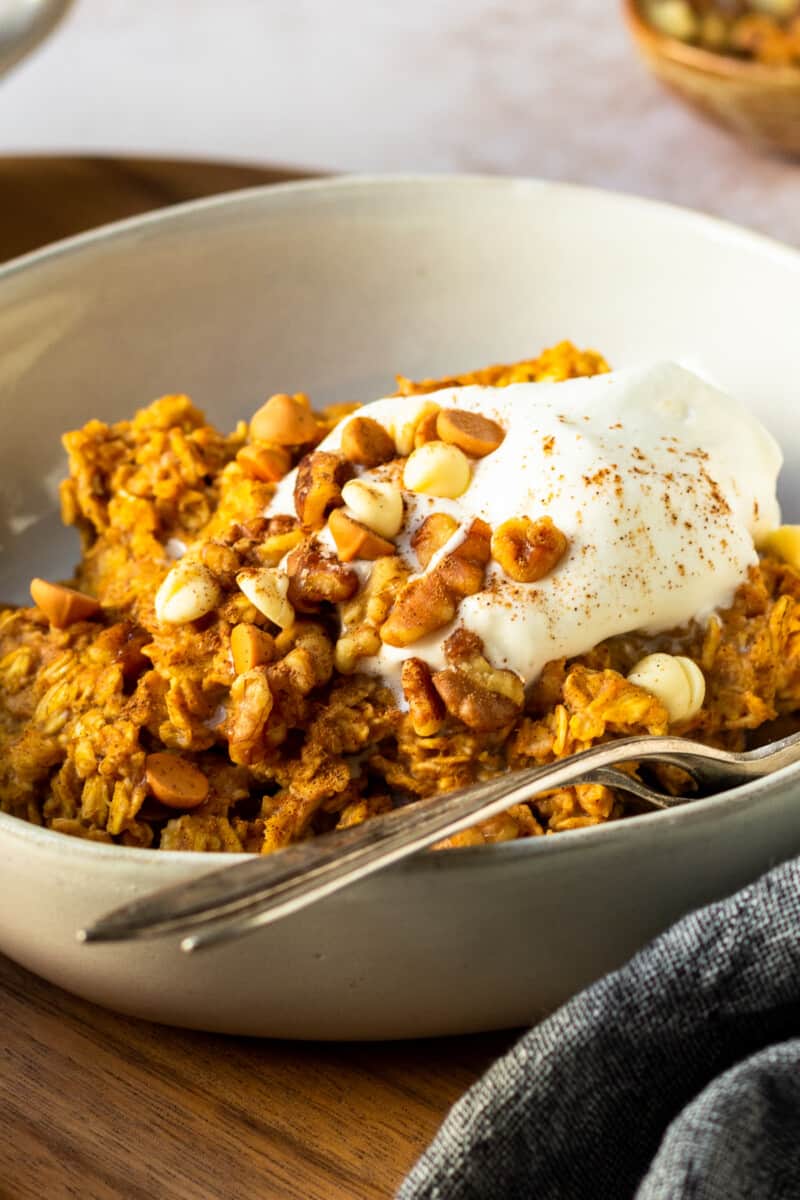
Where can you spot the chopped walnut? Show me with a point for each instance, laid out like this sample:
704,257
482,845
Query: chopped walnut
478,707
318,488
307,660
424,605
482,696
248,712
317,578
463,569
434,533
528,550
426,708
365,613
222,562
430,602
282,534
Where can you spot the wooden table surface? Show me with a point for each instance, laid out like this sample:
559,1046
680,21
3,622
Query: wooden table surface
103,1107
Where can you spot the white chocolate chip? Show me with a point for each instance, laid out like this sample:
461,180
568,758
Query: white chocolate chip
697,684
377,505
403,426
438,469
783,543
266,590
673,679
188,592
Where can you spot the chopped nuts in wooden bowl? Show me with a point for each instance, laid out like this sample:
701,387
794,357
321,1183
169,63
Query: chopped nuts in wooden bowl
743,74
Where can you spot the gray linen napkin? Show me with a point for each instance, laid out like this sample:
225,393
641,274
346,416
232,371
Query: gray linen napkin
676,1076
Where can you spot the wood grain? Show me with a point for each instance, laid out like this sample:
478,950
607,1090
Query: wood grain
43,199
102,1107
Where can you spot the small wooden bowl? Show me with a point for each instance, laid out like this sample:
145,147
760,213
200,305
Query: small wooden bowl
759,103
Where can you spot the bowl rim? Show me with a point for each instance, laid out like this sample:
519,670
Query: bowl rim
698,58
608,834
726,232
719,228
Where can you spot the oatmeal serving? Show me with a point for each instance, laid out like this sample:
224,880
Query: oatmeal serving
320,616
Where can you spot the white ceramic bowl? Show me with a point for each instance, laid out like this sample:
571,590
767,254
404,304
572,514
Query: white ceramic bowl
332,287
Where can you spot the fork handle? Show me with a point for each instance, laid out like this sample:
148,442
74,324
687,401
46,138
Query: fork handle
326,864
236,899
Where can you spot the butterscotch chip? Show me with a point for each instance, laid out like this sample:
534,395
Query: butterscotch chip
250,647
284,420
366,442
266,463
477,436
434,533
354,540
528,550
175,781
426,707
62,606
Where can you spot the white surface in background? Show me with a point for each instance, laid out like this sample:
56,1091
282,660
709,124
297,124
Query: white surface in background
535,87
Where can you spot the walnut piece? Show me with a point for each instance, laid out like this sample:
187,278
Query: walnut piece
365,613
483,697
248,712
528,550
426,708
434,532
318,488
424,605
317,578
430,602
281,535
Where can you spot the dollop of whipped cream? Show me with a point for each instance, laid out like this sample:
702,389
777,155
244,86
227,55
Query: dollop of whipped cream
662,484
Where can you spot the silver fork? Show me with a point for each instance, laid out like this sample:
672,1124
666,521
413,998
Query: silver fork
236,900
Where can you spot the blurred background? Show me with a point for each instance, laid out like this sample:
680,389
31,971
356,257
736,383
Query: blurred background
535,87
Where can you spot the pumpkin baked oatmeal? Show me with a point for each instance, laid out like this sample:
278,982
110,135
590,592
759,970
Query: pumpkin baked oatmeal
288,629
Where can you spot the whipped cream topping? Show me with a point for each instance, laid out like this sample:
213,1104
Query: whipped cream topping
661,483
